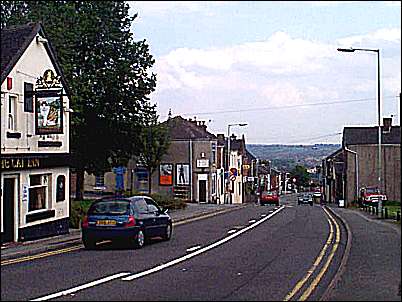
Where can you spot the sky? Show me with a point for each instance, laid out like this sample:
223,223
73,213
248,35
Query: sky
274,65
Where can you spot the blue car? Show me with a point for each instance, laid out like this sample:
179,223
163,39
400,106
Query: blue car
131,220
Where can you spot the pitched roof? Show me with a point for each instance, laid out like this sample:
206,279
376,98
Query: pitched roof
369,136
14,42
182,129
250,155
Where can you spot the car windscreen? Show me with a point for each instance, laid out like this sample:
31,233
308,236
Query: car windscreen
110,207
372,190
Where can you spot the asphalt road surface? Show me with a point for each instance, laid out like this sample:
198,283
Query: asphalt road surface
258,252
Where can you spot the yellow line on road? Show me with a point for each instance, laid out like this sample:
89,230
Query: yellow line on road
42,255
317,262
317,280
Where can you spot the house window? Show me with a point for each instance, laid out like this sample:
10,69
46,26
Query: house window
28,97
222,182
213,180
61,188
213,153
12,108
38,185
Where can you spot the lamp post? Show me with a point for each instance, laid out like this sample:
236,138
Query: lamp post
379,115
228,180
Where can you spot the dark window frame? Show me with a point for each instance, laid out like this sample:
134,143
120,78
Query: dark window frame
28,97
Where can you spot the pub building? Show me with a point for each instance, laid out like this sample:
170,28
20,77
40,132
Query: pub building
34,137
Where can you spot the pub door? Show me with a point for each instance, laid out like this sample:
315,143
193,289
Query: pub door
8,209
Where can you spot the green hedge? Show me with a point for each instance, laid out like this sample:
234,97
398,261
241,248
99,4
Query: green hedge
80,207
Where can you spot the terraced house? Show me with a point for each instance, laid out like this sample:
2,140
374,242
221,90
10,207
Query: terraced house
34,137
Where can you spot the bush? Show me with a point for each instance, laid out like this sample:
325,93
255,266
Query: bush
391,203
167,202
78,209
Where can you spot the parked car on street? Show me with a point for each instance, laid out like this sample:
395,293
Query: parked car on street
269,197
306,198
370,196
130,220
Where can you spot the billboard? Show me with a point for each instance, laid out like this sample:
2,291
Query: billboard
166,174
182,174
48,113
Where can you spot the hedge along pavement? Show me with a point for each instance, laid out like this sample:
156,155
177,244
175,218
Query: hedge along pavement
79,208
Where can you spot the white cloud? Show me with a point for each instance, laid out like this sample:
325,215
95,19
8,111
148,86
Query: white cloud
274,73
392,35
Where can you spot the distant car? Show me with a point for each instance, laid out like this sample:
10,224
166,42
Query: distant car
131,220
268,197
317,194
305,199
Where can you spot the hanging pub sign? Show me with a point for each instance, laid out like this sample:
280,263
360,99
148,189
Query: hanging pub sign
48,104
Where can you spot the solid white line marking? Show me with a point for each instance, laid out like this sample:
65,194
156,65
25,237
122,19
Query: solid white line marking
81,287
155,269
194,248
198,252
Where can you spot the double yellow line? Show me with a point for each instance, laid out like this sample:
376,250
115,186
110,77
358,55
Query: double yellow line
41,255
314,283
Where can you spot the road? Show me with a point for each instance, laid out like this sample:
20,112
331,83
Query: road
255,253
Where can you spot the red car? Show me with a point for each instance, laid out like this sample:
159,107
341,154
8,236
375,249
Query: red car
269,198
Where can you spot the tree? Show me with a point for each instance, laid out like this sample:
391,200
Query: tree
107,72
155,142
301,175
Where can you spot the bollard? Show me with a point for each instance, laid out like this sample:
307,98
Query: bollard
398,215
370,209
386,213
375,211
382,213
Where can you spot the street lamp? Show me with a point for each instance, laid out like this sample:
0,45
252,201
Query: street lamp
379,115
228,180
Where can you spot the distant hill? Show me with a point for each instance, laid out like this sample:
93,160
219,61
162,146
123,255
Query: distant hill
286,157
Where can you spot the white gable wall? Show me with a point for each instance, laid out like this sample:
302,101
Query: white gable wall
31,66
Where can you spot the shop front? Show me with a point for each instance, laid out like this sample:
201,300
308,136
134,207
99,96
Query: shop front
35,197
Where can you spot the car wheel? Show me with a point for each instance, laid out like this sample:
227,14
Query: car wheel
139,240
168,232
89,244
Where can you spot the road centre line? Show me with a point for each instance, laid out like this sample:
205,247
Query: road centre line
198,252
314,284
194,248
81,287
157,268
318,260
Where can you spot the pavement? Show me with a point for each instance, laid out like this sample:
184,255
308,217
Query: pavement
193,211
373,267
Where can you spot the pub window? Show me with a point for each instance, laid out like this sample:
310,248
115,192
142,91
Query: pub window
28,97
61,188
12,104
38,185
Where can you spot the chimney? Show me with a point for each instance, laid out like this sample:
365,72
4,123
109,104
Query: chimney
387,121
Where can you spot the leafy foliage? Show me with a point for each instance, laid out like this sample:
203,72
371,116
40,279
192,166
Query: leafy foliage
154,143
107,72
301,175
